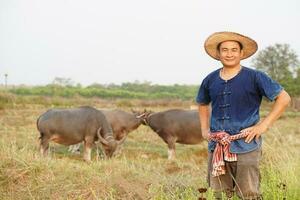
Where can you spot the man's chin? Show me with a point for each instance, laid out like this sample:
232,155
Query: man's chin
230,65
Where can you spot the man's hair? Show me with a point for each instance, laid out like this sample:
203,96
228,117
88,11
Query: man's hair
240,44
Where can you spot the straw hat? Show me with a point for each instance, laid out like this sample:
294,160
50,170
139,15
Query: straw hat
211,43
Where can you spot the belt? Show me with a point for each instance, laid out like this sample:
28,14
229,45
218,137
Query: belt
221,152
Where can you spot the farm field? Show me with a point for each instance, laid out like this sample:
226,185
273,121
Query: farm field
140,170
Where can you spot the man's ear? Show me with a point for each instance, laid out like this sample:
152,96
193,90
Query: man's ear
242,53
218,54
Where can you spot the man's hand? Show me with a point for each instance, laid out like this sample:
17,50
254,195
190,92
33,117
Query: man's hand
281,102
205,134
254,131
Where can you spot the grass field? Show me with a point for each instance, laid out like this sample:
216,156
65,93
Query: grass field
139,171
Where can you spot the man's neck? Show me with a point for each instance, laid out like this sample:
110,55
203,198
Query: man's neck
230,72
231,69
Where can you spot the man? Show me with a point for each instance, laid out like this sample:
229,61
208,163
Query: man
229,99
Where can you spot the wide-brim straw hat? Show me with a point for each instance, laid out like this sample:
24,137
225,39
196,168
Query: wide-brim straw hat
212,42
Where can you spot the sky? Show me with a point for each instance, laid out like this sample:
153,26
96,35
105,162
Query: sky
117,41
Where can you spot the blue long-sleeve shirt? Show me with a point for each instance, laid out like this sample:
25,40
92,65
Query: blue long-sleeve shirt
235,103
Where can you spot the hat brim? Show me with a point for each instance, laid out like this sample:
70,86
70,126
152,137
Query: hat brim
211,43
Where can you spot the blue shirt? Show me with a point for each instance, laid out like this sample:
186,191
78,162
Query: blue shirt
235,103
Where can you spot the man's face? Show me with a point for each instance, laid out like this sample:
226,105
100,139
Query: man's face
230,53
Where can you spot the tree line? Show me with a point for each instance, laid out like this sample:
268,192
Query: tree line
279,61
126,90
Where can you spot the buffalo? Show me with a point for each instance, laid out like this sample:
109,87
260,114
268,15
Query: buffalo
176,126
122,124
71,126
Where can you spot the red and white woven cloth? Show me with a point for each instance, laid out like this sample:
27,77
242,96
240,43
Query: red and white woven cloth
221,152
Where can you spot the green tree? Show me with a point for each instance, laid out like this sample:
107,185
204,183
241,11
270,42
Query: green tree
279,61
298,74
63,81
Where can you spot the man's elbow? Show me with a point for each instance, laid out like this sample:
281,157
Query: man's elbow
284,98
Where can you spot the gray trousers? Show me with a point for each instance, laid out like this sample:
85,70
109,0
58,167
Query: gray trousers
242,176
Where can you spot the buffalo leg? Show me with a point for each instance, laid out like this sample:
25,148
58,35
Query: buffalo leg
171,149
44,144
88,144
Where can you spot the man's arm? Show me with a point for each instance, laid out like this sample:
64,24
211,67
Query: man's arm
281,102
204,116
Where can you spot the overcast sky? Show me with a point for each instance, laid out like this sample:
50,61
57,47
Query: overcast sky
116,41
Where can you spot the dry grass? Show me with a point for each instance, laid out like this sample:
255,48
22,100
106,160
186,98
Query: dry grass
140,171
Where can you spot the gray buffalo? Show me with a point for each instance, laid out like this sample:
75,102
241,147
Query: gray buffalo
72,126
176,126
122,124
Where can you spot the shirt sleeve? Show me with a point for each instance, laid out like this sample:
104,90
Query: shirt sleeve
267,86
203,93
